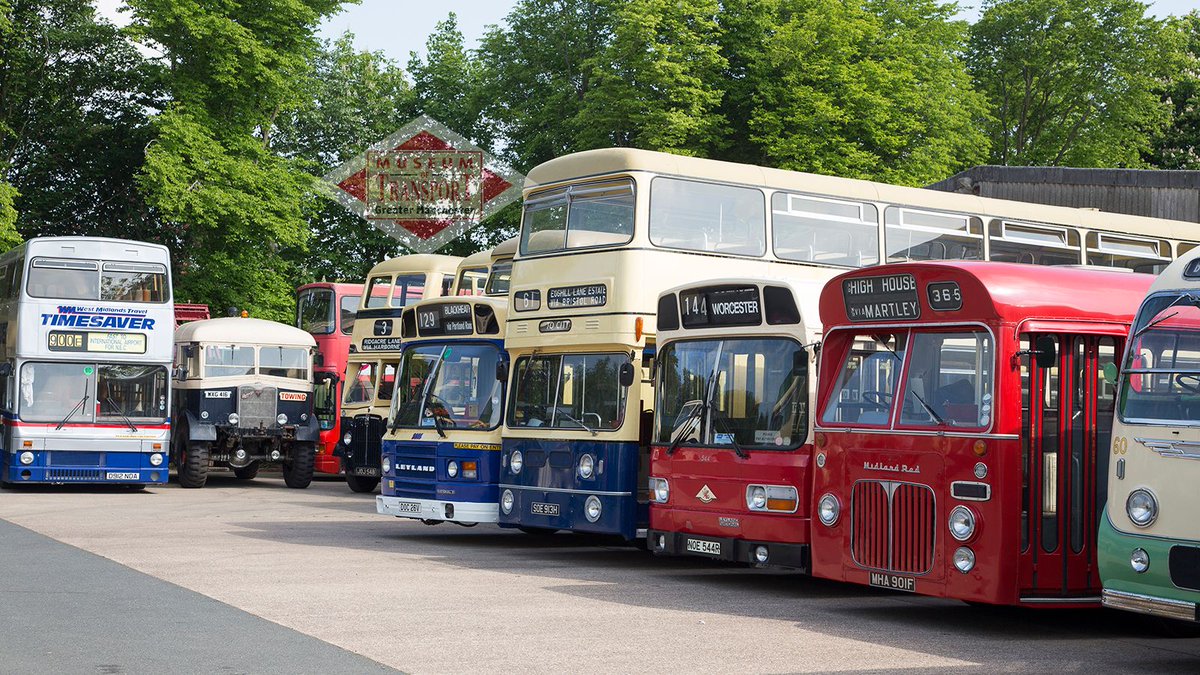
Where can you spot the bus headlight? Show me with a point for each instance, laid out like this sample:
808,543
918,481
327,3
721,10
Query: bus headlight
756,497
1139,560
346,439
516,461
506,501
233,418
777,498
961,523
828,510
1142,507
27,457
592,508
452,468
281,419
587,465
660,490
156,459
387,464
964,559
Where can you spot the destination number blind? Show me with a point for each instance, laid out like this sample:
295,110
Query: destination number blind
452,318
726,306
889,297
96,341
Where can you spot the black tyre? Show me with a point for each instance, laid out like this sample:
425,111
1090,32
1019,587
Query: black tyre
247,472
361,483
193,466
537,531
298,471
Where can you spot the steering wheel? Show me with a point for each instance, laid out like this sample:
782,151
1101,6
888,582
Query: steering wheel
448,418
1194,387
879,399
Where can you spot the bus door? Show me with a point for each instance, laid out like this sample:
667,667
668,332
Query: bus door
1067,410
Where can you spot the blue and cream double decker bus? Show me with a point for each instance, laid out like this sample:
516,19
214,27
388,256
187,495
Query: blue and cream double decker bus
441,453
84,355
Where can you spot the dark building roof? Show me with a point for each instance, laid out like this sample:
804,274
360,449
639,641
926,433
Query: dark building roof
1139,192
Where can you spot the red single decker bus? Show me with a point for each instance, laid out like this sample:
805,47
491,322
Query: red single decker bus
731,454
326,310
963,423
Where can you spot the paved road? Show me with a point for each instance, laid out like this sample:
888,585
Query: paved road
453,599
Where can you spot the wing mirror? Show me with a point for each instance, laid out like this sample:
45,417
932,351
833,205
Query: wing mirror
502,371
626,374
1045,352
6,369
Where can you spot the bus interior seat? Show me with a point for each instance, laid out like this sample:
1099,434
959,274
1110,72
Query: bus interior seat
585,238
547,240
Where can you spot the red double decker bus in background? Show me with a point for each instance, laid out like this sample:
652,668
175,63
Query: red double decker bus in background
963,424
326,310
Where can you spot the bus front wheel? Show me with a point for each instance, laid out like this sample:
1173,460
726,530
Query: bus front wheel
247,472
298,471
193,465
361,483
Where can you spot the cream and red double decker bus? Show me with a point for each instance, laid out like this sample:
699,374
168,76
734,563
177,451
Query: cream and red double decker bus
604,232
732,447
1150,535
391,286
963,423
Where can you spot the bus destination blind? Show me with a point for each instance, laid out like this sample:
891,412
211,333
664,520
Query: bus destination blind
96,341
884,298
721,307
568,297
452,318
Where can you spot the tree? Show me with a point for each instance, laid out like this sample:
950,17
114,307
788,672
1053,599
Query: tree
654,85
872,89
351,100
237,209
1071,82
74,95
1178,147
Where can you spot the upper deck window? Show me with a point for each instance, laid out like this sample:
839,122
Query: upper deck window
409,288
912,234
360,387
499,278
698,216
1139,254
826,231
378,291
578,216
314,309
71,279
348,308
1032,243
471,281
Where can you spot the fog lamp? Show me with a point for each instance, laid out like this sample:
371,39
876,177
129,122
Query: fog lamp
281,418
760,554
964,559
233,418
275,455
592,508
506,501
1139,560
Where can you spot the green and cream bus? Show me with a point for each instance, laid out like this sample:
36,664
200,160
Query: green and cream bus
1149,545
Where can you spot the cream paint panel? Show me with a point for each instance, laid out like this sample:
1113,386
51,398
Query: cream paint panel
1174,481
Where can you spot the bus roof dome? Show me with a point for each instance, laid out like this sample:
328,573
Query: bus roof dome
238,330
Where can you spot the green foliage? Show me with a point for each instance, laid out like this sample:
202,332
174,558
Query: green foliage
1179,145
868,90
9,237
1072,82
238,210
654,85
73,121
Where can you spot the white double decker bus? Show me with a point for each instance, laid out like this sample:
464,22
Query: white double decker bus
85,347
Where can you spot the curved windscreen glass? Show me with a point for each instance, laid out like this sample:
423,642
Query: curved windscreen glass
449,385
748,393
1162,367
89,392
314,311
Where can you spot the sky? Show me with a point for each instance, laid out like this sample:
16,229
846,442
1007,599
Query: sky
397,27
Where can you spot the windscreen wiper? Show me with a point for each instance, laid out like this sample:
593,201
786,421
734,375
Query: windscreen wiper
78,406
572,419
429,385
686,428
719,417
929,409
1192,300
121,413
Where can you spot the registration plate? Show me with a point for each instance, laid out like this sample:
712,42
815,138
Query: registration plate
543,509
705,547
123,475
407,507
893,581
365,471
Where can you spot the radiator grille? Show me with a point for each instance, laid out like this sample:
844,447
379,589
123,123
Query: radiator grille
256,407
74,474
366,437
892,526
